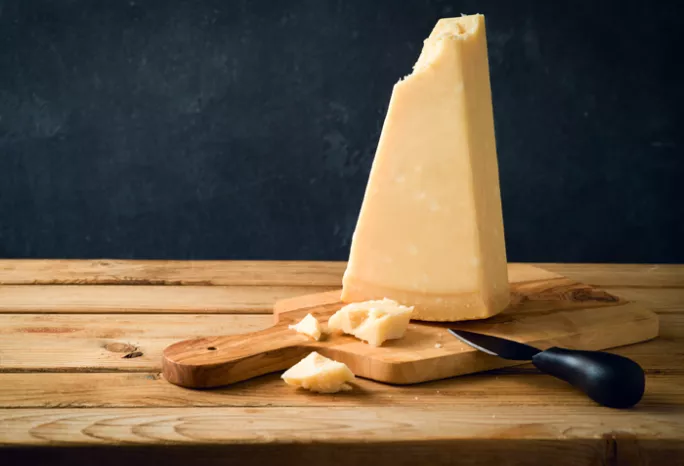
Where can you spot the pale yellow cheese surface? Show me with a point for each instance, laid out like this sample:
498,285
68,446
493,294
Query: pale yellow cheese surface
319,374
309,326
372,321
430,231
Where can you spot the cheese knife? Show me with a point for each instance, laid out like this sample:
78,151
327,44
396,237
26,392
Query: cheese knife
608,379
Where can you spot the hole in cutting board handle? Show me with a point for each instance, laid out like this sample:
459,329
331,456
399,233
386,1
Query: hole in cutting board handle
211,348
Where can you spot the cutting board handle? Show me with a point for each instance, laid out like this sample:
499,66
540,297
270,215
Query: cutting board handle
215,361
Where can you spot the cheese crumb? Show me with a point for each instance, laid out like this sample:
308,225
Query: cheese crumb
438,345
309,325
372,321
319,374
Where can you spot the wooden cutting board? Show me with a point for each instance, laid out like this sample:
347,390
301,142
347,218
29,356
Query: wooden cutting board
546,310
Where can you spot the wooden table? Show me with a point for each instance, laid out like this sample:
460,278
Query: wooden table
80,346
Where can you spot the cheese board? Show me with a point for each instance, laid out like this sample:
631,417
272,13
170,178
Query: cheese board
546,310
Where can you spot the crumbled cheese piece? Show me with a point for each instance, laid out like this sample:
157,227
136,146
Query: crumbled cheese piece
319,374
372,321
308,326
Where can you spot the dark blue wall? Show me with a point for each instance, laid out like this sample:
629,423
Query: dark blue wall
246,129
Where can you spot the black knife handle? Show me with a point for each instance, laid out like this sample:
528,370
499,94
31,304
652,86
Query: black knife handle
608,379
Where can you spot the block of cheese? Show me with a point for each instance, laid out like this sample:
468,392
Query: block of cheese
319,374
372,321
430,230
309,325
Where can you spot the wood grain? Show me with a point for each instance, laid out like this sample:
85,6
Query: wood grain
346,436
65,383
546,310
283,273
87,342
622,275
148,389
83,342
326,424
662,301
129,326
150,272
146,299
208,362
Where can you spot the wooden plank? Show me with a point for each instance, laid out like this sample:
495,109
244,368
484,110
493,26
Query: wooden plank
150,272
330,424
656,287
146,299
622,275
661,300
282,273
37,353
144,390
127,327
88,342
630,281
216,299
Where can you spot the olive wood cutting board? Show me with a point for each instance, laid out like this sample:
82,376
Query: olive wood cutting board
546,310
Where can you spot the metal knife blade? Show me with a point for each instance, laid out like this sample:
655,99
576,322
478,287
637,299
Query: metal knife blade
496,346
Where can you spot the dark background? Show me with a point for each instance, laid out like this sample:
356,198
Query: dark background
246,129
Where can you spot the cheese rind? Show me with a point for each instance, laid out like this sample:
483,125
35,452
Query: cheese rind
319,374
372,321
309,326
430,230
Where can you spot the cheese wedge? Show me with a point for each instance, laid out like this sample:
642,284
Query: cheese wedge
372,321
319,374
309,326
430,231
